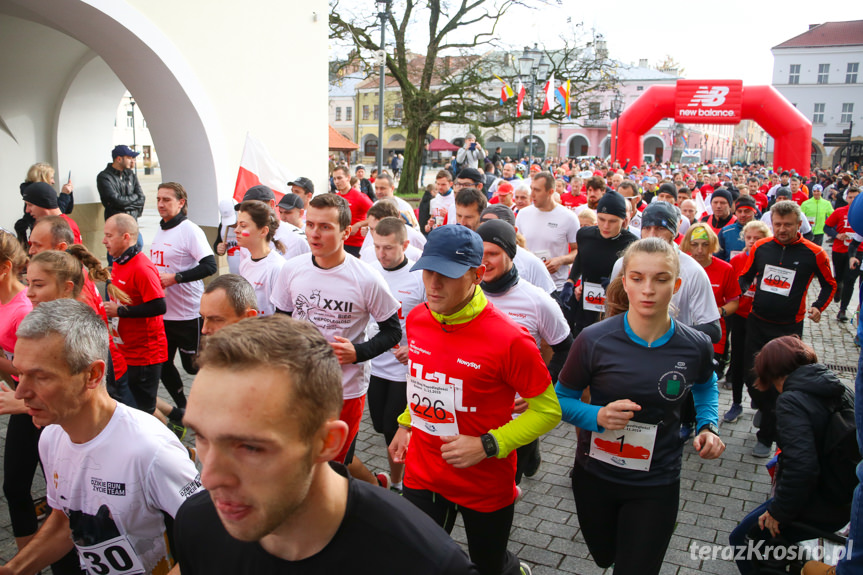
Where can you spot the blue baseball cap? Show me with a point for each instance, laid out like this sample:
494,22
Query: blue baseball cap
451,251
123,151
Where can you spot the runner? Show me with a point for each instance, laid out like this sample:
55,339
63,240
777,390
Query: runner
115,476
274,502
183,258
386,208
461,397
227,299
256,229
639,366
731,236
226,235
359,204
442,206
838,229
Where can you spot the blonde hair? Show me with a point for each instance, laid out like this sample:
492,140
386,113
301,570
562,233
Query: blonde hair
66,266
40,172
587,218
11,251
756,225
712,240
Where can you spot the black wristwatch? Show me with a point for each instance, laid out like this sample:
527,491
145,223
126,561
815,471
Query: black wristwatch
711,427
489,444
178,277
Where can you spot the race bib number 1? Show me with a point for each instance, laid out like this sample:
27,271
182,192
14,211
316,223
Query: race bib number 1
594,297
628,448
113,557
432,406
777,280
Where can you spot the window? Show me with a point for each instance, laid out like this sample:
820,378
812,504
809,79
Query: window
794,74
377,112
593,110
130,119
823,73
847,113
818,114
349,113
639,88
851,73
338,113
365,112
398,111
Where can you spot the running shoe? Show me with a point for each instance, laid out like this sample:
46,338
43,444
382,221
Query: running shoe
525,569
762,451
384,479
841,316
733,413
179,430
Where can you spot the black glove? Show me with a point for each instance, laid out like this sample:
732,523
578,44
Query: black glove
566,293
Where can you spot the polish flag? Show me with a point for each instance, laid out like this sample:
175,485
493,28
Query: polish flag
258,167
549,95
520,107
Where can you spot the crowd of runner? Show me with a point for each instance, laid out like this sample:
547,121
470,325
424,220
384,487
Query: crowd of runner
516,296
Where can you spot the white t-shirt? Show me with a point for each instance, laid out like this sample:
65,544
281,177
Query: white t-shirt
292,228
533,309
805,226
367,250
338,301
262,275
416,238
443,205
177,250
408,288
693,304
532,270
295,243
548,235
115,487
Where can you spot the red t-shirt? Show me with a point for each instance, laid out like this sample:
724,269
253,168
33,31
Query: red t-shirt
142,339
572,201
800,197
738,262
839,220
360,204
76,233
486,375
761,201
726,288
90,296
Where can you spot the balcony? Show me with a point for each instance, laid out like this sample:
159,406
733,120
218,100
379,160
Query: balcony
595,122
394,122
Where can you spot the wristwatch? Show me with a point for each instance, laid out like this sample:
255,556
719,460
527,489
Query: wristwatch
178,277
489,444
711,427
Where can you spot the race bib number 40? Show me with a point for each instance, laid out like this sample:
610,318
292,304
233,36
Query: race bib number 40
594,297
777,280
112,557
628,448
432,404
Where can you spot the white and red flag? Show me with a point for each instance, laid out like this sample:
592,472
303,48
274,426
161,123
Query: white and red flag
549,95
521,93
258,167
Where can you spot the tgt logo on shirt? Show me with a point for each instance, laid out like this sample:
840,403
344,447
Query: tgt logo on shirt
442,378
108,487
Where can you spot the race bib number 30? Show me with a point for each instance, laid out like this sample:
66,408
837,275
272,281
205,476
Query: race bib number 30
594,297
777,280
432,405
628,448
112,557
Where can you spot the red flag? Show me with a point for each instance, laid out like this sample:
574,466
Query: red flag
548,104
258,167
520,107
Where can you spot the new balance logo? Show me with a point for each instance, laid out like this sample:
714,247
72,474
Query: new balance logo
709,98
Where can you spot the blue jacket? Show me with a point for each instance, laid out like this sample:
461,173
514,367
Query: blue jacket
730,240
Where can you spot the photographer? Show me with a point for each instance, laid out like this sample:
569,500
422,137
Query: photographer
471,154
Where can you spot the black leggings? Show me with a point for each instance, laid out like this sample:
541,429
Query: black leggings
20,458
144,385
625,526
387,400
487,533
737,326
184,336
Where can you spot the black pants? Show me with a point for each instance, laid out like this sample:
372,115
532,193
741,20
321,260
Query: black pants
353,250
526,456
184,336
625,526
387,400
144,384
737,327
818,239
20,458
487,533
758,333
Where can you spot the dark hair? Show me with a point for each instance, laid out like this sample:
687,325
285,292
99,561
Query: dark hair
545,177
343,169
630,185
470,197
779,358
179,193
383,208
392,227
263,216
240,293
444,174
595,183
330,200
60,230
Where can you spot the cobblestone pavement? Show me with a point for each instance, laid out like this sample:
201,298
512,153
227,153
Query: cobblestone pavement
714,495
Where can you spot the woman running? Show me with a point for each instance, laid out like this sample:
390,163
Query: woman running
256,229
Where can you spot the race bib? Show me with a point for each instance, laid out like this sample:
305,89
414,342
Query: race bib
777,280
432,405
115,331
544,255
113,557
628,448
594,297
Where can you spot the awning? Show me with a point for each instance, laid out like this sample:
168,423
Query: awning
340,143
442,146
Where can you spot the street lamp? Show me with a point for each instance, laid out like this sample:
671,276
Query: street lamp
533,66
383,14
616,109
134,139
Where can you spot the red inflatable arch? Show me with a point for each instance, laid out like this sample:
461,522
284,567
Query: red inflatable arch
716,102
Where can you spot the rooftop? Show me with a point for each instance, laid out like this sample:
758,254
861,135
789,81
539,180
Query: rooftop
848,33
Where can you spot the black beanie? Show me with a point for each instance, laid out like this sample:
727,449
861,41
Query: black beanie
40,194
667,188
613,204
722,193
499,233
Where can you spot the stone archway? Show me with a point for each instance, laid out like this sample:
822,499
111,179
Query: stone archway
578,146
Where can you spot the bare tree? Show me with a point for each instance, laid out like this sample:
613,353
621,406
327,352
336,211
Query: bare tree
454,80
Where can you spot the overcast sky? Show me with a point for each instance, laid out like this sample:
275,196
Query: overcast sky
728,39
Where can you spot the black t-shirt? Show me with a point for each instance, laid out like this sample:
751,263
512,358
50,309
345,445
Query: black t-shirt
380,533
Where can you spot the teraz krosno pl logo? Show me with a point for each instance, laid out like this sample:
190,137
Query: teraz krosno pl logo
707,97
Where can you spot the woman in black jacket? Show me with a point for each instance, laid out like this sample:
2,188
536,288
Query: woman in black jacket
808,395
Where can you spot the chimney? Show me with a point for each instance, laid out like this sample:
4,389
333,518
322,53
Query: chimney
813,26
642,63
